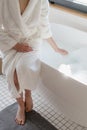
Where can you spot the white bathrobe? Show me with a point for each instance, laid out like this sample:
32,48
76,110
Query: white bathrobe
30,27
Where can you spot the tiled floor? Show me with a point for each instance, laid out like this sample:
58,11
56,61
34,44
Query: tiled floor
42,104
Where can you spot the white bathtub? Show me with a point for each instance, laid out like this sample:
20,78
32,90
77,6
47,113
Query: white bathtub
70,96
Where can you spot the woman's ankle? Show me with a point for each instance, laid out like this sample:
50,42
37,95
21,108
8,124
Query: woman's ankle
20,102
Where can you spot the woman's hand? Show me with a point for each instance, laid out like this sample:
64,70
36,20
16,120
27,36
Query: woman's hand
61,51
24,47
53,44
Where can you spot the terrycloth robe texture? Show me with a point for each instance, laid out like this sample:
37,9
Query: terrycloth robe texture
30,27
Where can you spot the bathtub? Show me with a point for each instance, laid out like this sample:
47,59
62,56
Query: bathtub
68,95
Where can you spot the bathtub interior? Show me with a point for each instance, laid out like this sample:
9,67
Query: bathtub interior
75,42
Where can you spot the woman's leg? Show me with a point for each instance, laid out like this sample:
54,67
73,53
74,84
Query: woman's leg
20,116
28,100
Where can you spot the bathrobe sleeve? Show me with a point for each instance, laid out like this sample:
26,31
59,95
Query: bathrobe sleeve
6,41
45,30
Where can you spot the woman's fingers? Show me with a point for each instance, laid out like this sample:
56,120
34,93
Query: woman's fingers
25,48
62,51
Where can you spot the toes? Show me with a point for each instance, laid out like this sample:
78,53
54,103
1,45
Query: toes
19,122
16,121
22,123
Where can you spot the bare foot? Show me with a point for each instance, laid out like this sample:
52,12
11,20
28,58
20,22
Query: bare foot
20,116
28,103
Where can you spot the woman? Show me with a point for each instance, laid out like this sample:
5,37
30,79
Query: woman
23,25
